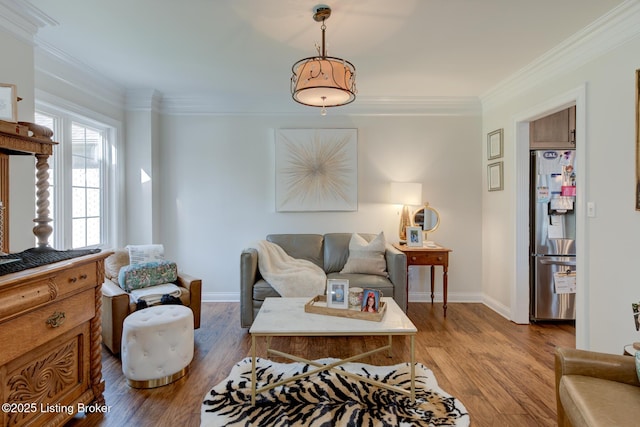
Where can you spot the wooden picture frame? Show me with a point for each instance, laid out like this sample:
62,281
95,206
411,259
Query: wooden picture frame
8,103
638,140
495,144
495,176
414,236
338,293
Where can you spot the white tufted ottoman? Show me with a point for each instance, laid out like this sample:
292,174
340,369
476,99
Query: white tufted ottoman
157,345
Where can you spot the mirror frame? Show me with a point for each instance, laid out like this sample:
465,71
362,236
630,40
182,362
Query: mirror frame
437,214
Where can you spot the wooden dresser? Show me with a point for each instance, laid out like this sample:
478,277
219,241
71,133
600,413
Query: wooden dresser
50,342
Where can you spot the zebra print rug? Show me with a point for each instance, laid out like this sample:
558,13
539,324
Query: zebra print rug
330,399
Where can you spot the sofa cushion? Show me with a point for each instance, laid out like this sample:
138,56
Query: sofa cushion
366,257
302,246
262,290
590,401
137,276
336,250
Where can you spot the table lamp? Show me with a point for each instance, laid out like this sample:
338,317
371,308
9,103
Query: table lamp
405,194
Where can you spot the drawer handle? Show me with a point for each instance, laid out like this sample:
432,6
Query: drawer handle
73,279
439,258
413,258
83,276
56,319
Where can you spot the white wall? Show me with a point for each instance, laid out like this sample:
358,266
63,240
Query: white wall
217,181
610,249
19,71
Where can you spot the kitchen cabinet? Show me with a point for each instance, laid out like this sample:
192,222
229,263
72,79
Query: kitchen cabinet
555,131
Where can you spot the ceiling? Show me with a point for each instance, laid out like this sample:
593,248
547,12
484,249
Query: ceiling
241,51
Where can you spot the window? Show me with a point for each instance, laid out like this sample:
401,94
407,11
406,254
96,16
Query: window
78,179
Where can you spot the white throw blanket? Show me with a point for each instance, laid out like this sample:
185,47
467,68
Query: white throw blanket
290,277
153,294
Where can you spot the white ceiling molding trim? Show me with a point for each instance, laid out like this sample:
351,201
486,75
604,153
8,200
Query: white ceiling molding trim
606,33
387,106
143,100
57,65
22,20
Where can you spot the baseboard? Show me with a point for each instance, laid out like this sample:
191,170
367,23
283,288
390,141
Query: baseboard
221,297
451,297
496,306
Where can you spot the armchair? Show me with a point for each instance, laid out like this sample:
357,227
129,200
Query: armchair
117,304
596,389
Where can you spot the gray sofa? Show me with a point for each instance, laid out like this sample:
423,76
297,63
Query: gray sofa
330,252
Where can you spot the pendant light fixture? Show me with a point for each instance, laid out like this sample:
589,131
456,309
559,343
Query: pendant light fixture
323,81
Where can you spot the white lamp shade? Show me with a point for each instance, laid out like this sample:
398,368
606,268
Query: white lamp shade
406,193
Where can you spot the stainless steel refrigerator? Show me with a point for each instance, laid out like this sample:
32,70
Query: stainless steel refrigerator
553,232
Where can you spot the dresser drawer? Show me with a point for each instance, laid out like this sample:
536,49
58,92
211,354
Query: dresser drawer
79,277
427,258
21,298
22,334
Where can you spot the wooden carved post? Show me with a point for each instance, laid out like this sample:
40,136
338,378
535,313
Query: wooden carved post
42,230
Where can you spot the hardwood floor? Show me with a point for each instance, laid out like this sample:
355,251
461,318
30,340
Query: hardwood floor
502,372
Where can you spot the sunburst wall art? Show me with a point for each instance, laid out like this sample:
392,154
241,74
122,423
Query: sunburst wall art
316,170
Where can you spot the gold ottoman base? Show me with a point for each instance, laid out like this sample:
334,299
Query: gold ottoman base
158,382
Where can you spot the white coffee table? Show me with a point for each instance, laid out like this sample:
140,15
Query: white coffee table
286,317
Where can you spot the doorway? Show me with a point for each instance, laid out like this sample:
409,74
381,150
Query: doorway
520,288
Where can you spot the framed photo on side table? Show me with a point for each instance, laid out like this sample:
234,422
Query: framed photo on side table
494,144
8,103
337,293
414,236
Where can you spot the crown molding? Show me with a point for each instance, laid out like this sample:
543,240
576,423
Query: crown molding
605,34
143,100
22,19
59,66
200,104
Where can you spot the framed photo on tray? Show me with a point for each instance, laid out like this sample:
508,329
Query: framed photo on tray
337,293
370,301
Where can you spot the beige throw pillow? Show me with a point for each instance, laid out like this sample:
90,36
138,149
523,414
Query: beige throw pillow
366,257
114,262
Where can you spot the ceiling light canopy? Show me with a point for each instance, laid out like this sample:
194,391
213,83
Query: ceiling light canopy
323,81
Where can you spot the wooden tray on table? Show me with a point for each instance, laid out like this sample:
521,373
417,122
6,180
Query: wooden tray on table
318,305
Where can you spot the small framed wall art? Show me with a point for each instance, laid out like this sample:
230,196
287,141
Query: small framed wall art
414,236
495,144
337,293
495,176
8,103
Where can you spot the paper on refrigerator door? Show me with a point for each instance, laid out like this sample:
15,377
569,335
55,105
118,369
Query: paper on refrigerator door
564,283
555,230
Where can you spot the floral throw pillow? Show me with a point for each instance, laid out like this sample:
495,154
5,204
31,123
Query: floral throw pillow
138,276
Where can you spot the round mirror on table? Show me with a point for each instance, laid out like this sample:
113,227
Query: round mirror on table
428,218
